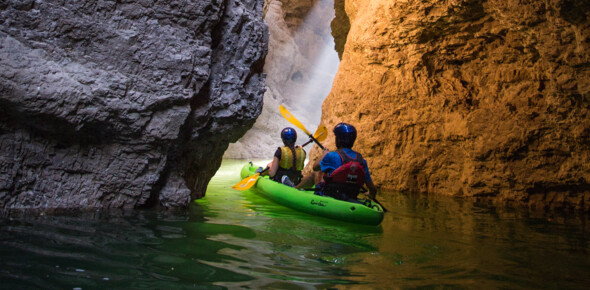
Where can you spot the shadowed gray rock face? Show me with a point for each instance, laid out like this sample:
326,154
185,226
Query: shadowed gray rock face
120,104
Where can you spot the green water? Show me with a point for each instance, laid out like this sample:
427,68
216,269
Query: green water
234,239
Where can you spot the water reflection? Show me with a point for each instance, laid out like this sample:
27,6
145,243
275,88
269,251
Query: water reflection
138,250
442,241
290,248
234,239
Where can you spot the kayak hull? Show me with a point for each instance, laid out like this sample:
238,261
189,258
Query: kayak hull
369,213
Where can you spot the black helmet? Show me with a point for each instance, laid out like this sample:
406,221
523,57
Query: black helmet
345,135
289,136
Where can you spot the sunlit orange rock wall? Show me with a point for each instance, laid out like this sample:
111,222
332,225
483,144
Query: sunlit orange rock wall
486,99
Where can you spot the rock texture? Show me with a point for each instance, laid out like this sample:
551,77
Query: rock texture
300,67
123,104
487,99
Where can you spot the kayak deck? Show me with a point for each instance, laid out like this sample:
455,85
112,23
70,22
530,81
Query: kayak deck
368,212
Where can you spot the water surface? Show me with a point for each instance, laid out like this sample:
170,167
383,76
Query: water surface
233,239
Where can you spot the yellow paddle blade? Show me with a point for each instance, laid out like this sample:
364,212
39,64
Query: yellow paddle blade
247,182
321,133
292,119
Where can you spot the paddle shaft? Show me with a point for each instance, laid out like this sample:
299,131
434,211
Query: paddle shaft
316,142
313,140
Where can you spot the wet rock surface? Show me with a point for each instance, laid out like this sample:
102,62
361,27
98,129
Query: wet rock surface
123,104
485,99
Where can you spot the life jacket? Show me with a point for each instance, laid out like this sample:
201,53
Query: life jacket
288,159
350,172
286,164
345,182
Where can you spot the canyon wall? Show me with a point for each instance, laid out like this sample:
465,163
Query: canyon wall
476,98
120,104
300,67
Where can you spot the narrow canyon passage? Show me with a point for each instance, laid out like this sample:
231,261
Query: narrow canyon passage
124,126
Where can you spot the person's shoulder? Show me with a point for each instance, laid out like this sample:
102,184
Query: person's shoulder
332,156
329,155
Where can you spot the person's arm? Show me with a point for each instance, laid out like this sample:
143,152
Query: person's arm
274,167
307,181
369,181
316,164
372,189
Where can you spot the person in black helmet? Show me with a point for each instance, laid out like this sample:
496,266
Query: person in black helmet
339,170
288,161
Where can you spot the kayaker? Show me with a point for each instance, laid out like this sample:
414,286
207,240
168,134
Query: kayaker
288,161
342,172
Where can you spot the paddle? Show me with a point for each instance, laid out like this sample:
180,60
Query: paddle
297,124
320,134
248,182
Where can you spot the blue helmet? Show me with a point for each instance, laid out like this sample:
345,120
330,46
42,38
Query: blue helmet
345,135
289,136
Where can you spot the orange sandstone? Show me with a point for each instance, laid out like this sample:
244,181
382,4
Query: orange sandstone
471,98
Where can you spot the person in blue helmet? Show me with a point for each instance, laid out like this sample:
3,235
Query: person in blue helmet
342,173
288,160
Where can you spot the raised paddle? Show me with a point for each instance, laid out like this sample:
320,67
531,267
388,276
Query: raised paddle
320,135
246,183
297,124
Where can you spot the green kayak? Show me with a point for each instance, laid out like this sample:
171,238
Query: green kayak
369,212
